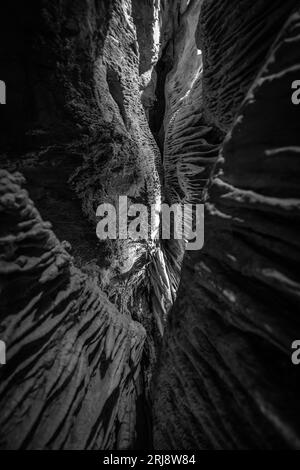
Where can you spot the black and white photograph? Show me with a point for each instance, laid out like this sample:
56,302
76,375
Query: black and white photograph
149,228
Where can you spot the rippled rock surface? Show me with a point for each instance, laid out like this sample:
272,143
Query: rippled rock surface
172,101
226,379
73,377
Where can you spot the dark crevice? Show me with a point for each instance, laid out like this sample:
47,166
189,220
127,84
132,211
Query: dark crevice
157,112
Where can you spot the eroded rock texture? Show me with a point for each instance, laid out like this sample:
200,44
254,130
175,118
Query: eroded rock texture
191,144
76,126
226,380
73,376
162,101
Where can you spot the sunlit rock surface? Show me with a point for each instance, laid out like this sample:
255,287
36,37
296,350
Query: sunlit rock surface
191,145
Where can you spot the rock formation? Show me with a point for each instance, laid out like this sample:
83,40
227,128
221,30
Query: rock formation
73,375
162,101
226,380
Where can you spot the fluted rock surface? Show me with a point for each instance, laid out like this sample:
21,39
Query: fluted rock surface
191,144
159,100
235,39
75,126
226,379
73,375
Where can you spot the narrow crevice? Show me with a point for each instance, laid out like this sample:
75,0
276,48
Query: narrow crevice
157,112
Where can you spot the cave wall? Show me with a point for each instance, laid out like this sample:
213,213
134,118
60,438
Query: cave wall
159,101
191,144
73,375
226,380
79,359
74,124
76,127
